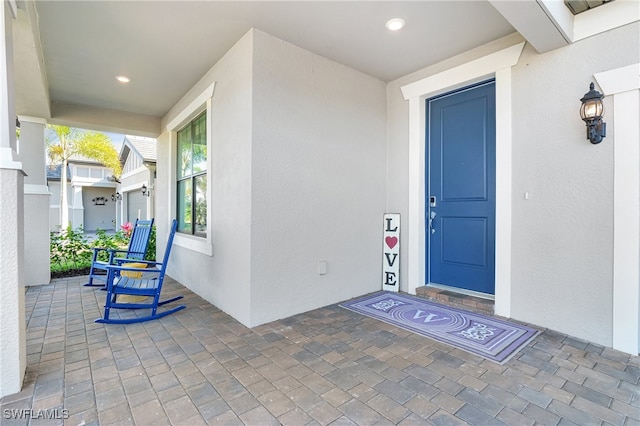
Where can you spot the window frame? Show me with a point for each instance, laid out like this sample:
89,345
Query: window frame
191,178
191,110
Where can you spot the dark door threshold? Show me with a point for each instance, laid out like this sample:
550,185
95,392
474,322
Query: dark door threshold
457,300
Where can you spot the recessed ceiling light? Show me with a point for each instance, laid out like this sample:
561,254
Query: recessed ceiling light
395,24
123,78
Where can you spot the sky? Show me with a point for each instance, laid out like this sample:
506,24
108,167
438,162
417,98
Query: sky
116,138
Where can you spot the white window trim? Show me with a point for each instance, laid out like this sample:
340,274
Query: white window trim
199,104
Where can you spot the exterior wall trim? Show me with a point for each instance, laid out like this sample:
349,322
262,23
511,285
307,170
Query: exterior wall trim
496,65
624,85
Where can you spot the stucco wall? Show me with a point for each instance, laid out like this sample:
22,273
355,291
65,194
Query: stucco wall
318,176
224,278
562,244
36,240
297,172
13,354
563,235
36,203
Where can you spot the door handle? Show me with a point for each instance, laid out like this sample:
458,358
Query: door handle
432,218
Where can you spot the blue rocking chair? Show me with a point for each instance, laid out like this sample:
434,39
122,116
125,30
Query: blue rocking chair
148,285
137,248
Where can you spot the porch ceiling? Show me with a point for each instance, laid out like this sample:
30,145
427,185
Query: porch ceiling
69,52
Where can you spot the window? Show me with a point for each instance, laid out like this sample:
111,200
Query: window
192,177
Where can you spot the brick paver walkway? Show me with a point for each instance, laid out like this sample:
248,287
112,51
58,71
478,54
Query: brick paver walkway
327,366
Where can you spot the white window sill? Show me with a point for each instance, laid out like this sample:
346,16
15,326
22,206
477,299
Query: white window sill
198,244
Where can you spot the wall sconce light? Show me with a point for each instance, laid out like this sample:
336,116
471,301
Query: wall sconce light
591,113
116,197
145,191
99,201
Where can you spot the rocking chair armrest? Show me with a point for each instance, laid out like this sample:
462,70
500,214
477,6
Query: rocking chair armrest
130,268
119,251
120,260
110,250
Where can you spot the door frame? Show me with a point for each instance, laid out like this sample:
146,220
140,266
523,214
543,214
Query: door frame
497,66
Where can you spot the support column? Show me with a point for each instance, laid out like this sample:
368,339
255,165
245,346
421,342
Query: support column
76,212
36,200
623,84
13,359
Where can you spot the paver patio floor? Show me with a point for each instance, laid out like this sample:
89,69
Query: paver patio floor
326,366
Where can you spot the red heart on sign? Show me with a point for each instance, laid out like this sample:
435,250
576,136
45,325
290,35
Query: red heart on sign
391,241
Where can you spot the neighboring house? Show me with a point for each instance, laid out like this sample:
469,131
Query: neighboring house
135,192
90,190
280,160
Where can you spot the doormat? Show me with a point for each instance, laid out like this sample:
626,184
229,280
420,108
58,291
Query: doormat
491,338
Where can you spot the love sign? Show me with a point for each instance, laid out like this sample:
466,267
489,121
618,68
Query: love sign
391,252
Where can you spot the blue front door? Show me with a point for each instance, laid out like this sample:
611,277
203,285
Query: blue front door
461,182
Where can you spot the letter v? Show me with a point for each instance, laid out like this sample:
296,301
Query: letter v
391,261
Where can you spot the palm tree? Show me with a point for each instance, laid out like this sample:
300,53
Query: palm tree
70,142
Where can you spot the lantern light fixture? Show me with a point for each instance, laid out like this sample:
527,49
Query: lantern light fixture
116,197
145,191
591,112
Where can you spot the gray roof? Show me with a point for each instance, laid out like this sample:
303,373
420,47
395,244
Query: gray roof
145,148
54,172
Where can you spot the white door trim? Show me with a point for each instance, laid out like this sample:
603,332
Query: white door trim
496,65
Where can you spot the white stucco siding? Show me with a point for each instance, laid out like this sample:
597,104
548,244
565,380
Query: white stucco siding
98,216
563,234
318,179
224,278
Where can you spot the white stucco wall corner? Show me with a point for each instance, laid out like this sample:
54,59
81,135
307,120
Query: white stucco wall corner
224,92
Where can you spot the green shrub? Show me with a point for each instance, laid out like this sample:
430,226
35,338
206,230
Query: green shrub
118,241
151,248
69,250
